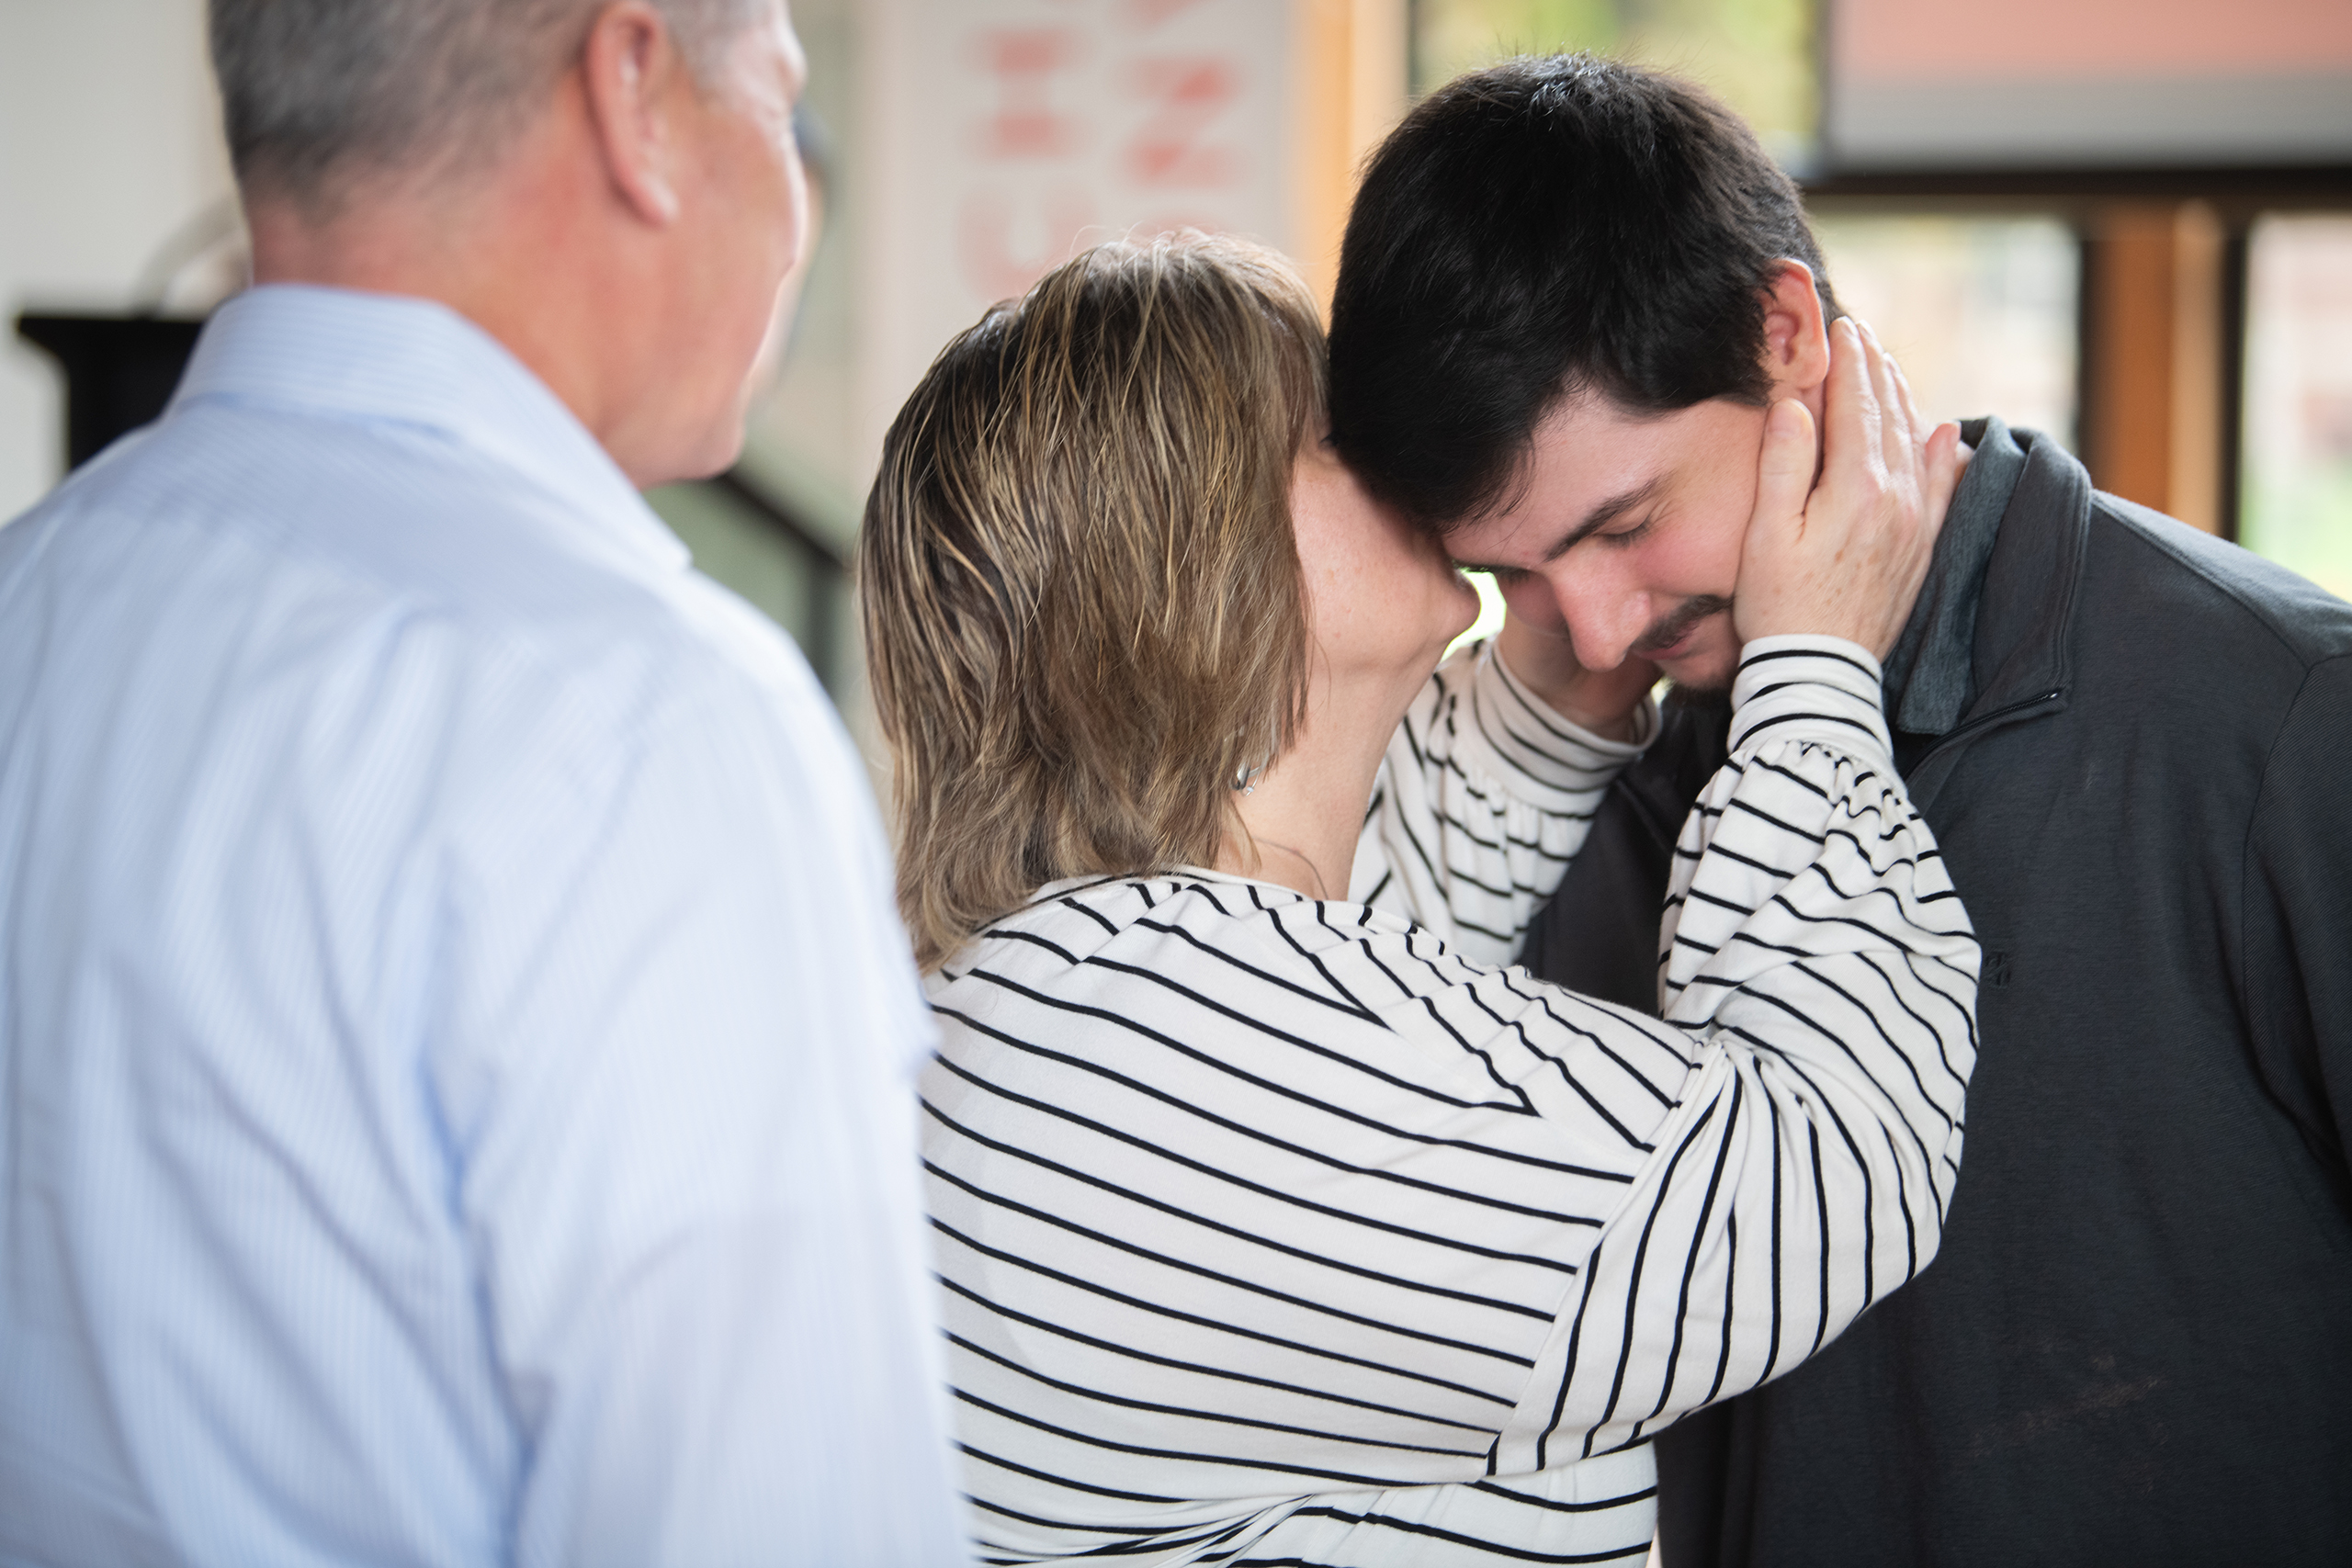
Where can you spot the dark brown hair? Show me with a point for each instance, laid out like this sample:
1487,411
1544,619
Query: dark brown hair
1539,229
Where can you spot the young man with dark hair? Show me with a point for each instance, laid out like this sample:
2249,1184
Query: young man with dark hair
1569,293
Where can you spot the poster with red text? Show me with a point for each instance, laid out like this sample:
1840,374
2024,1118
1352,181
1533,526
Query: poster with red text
1006,134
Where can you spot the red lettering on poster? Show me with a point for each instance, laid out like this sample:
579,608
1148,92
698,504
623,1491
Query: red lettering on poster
1021,62
1144,15
1187,94
1004,245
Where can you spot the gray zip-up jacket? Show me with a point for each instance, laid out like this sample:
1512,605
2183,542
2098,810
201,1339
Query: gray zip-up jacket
2135,743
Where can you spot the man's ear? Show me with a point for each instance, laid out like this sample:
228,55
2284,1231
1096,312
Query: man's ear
632,76
1796,339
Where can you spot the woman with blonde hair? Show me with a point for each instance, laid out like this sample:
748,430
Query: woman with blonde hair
1278,1222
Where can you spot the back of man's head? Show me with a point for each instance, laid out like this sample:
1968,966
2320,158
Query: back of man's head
1540,229
316,93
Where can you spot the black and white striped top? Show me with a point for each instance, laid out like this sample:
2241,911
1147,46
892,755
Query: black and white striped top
1278,1231
1484,798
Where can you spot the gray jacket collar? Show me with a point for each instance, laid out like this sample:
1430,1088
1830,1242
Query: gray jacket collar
1991,619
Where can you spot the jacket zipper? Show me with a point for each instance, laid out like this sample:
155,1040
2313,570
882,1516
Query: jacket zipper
1983,721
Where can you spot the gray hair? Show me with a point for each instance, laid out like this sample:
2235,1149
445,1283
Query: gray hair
313,90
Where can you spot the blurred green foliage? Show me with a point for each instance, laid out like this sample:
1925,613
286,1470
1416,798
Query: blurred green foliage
2303,520
1759,56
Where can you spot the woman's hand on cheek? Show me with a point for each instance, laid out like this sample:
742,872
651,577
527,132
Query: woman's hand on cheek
1535,646
1846,557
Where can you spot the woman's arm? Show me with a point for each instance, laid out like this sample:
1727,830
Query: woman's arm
1299,1195
1823,970
1813,945
1484,797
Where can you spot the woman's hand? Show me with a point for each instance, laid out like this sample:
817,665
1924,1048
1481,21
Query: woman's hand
1535,646
1846,557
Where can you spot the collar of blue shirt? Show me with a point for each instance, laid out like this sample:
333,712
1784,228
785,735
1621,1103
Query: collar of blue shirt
338,353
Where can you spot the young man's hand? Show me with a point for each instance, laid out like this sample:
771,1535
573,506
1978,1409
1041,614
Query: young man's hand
1846,557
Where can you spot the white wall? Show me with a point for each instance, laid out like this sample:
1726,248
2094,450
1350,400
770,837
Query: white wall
110,143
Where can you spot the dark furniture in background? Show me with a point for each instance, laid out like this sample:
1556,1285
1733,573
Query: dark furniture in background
120,371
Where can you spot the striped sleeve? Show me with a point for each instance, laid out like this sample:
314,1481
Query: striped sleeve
1815,946
1484,797
1275,1229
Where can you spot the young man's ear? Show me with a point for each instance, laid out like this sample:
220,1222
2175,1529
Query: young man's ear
1796,339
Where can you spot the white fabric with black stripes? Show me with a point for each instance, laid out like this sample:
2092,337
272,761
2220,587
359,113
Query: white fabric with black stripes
1278,1231
1483,800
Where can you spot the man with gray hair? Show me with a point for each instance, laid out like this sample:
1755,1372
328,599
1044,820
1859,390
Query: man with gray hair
456,1035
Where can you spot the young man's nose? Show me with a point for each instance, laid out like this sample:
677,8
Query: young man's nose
1603,622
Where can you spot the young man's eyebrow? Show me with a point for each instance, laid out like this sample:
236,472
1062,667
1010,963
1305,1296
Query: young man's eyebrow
1602,513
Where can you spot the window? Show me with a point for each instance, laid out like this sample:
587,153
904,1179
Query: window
2297,490
1757,55
1979,311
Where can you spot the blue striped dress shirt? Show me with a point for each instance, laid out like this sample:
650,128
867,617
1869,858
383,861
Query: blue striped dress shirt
456,1039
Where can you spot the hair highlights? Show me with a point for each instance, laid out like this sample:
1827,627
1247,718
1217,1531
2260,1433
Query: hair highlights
1084,612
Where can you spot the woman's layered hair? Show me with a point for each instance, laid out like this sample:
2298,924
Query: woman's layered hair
1084,613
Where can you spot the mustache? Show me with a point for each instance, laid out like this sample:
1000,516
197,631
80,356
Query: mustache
1670,628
